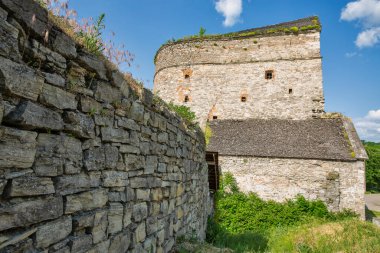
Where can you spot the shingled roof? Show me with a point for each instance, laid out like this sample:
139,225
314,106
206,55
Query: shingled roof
324,139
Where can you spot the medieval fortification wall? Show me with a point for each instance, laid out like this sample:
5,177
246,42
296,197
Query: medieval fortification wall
88,164
215,74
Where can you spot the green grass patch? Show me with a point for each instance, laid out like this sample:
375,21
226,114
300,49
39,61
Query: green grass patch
246,223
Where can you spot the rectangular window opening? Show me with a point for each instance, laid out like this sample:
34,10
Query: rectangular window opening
214,117
186,99
290,91
243,99
269,74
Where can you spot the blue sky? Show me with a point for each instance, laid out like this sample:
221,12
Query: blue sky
351,66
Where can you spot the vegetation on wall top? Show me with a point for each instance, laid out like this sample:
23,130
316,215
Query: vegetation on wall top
201,36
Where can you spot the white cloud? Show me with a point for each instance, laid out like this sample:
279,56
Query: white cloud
368,38
367,13
374,114
369,126
230,9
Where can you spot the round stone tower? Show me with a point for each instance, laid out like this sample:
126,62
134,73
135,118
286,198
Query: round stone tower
268,72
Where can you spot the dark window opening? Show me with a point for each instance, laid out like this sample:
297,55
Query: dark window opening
214,117
290,91
269,74
186,99
243,99
187,76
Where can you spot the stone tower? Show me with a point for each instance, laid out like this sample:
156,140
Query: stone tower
262,73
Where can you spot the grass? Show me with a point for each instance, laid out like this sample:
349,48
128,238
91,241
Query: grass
318,237
246,223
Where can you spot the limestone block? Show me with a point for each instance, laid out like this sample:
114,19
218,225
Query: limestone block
117,197
99,231
161,168
54,79
56,152
86,201
115,178
94,159
127,218
83,221
150,244
104,120
2,185
19,80
143,194
110,134
13,239
9,46
138,182
129,149
107,93
88,104
128,124
92,63
151,164
140,211
157,194
168,245
65,45
151,225
140,232
163,137
101,247
118,80
53,232
25,10
32,116
79,124
115,218
76,77
17,148
81,243
112,156
57,97
77,183
120,243
29,212
137,112
31,186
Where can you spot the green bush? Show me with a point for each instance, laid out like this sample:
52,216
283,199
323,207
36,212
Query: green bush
239,216
184,112
373,166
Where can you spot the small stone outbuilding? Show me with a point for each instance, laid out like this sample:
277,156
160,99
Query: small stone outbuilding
279,159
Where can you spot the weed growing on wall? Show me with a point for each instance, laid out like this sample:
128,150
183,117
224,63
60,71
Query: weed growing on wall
86,32
184,112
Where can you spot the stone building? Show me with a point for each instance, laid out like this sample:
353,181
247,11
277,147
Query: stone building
261,92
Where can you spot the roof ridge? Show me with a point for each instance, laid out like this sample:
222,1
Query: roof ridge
297,22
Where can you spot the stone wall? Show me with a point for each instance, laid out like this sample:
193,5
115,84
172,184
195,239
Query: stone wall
216,74
341,185
88,164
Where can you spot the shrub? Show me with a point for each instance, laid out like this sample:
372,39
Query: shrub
294,29
208,134
184,112
373,166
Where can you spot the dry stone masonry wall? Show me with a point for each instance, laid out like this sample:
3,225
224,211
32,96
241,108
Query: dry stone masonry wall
87,164
216,74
